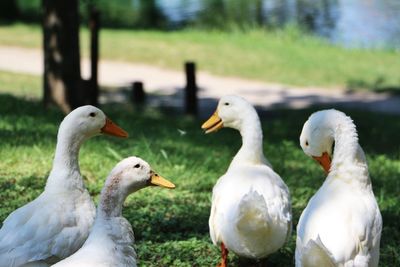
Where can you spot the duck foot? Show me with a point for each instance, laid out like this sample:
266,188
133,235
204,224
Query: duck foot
224,256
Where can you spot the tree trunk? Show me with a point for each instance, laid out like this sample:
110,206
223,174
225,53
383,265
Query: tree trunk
62,72
94,25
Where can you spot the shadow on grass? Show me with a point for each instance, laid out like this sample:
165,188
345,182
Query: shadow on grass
178,149
14,193
379,85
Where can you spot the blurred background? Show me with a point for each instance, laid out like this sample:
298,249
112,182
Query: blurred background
158,68
356,23
292,53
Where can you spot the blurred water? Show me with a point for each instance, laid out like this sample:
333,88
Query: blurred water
368,23
352,23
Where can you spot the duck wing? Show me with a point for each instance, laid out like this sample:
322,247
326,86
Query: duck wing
40,230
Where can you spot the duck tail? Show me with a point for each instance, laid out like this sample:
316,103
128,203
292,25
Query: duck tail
316,254
253,213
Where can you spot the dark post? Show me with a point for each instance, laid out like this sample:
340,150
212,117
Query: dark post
138,94
191,89
94,25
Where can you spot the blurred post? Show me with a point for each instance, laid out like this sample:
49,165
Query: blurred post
94,25
138,94
191,89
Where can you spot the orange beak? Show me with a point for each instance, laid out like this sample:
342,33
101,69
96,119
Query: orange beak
160,181
213,124
324,161
111,128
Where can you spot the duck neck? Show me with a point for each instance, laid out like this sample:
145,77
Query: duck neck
251,150
111,229
347,154
111,199
346,143
65,174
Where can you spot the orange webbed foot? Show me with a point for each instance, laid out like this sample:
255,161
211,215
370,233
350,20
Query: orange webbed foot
224,256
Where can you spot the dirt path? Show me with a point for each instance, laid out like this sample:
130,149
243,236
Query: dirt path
168,85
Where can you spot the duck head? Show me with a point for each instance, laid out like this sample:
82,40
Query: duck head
90,121
317,137
133,174
231,112
128,176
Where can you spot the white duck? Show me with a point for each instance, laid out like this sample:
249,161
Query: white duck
341,225
251,211
57,222
111,239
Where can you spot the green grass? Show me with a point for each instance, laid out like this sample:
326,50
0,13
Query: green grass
171,226
287,56
21,85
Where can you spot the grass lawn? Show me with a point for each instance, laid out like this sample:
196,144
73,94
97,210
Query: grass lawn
21,85
171,226
286,57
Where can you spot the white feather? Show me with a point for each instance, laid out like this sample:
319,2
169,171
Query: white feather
251,212
57,223
110,242
343,217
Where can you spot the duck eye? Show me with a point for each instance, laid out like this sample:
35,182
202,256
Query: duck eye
306,143
226,103
137,166
92,114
